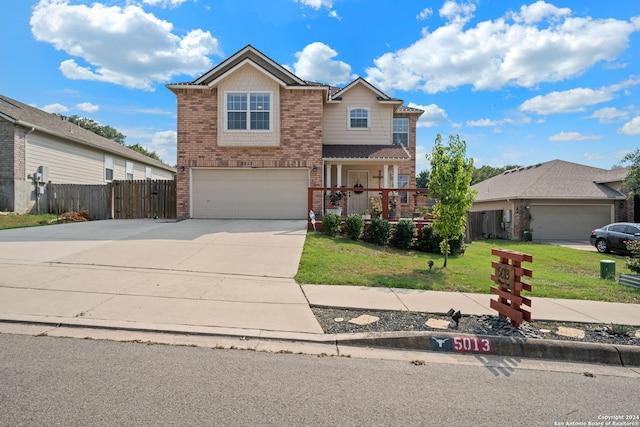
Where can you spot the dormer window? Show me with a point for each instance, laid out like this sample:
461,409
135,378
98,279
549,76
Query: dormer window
359,118
248,110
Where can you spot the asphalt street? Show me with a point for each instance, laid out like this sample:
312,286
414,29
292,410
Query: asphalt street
55,381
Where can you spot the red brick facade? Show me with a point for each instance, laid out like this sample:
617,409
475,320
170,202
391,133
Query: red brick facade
300,138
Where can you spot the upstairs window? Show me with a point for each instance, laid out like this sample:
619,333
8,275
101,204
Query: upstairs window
248,111
108,168
359,118
129,169
147,173
401,132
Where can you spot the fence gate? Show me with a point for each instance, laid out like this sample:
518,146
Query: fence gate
143,199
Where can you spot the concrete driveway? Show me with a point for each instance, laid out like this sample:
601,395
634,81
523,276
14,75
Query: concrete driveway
195,273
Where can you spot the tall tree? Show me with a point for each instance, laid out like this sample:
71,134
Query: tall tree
422,179
140,149
633,176
95,127
450,185
485,172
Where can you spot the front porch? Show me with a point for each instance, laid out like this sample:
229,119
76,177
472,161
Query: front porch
386,203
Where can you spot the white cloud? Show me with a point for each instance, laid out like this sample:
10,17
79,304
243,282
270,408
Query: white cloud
424,14
120,45
632,127
164,3
569,101
55,108
538,43
433,115
609,115
164,144
334,14
482,123
315,62
573,136
87,107
316,4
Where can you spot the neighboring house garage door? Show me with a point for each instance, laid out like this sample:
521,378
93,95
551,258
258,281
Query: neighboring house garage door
249,193
568,222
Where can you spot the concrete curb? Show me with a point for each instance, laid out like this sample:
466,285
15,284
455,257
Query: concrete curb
564,351
567,351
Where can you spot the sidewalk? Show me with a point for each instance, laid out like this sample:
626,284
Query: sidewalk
437,302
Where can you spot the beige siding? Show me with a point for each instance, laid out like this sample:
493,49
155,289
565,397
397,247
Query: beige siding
67,163
335,126
248,79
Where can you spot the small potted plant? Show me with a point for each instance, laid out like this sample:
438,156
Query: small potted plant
366,214
334,203
376,206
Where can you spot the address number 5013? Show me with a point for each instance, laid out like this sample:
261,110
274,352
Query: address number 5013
472,344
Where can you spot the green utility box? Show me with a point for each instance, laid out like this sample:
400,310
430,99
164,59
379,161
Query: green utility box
607,269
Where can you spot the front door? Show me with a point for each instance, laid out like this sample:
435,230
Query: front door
358,202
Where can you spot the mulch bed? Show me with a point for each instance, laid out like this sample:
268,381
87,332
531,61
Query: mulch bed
336,321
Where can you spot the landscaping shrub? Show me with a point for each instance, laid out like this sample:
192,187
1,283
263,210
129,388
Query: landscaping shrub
406,234
331,224
430,242
634,261
354,226
379,231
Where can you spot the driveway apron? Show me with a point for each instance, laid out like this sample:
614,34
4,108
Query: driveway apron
164,274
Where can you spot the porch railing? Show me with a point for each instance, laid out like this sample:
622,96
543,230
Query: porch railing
417,197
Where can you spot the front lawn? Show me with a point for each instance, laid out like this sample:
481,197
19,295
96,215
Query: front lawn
19,221
558,272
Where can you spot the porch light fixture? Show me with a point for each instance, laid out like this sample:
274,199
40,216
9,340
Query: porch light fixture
181,168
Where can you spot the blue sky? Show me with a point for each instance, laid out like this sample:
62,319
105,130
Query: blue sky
521,82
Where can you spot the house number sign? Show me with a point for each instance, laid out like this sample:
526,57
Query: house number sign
505,275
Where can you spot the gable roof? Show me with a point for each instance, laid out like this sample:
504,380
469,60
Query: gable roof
32,118
555,179
252,56
336,95
365,152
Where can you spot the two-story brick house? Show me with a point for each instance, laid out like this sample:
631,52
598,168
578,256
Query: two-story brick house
253,137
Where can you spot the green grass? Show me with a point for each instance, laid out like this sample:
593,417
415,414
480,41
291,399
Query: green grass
20,221
558,272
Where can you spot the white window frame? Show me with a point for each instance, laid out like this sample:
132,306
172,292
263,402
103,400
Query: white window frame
108,166
396,132
368,118
248,110
147,172
129,170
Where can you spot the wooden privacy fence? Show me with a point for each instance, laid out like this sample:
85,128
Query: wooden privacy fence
485,225
143,199
63,198
117,199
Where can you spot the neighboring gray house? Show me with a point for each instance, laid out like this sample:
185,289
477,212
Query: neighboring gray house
38,146
556,200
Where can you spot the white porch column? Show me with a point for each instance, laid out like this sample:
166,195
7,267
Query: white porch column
385,174
328,176
395,176
339,175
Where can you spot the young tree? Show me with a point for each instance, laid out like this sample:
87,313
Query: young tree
633,176
449,184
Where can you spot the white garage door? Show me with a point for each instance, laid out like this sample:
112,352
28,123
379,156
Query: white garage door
568,222
249,193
